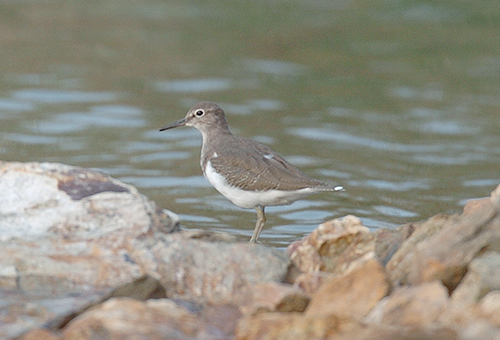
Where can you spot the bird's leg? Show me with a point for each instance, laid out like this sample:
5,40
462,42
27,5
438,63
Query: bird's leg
261,220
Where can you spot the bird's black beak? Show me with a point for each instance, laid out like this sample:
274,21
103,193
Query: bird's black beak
178,123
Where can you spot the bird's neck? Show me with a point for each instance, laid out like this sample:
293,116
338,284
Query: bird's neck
215,134
212,140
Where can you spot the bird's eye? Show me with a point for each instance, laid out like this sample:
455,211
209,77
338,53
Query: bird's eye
199,113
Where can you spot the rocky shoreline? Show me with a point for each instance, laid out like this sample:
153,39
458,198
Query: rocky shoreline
88,257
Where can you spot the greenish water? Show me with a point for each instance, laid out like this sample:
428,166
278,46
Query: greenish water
397,101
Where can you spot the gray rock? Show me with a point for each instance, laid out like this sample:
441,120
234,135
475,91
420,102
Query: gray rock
46,198
215,271
70,236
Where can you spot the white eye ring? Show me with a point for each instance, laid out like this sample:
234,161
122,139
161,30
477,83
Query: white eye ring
199,113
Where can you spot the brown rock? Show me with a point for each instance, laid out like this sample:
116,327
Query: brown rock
483,276
184,267
273,297
397,266
40,334
442,247
286,326
489,307
388,241
386,332
351,294
480,329
474,205
124,318
142,288
310,282
19,314
223,317
416,306
332,246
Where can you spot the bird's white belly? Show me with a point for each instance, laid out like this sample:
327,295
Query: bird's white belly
251,199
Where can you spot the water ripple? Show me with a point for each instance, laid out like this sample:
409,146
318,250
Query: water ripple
62,96
193,85
344,137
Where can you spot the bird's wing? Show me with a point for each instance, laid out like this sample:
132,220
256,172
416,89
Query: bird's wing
254,166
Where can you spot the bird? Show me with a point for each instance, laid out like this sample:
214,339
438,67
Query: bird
246,172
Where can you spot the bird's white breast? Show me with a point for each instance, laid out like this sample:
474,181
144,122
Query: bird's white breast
251,199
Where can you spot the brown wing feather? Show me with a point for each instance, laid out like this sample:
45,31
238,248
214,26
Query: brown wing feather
251,167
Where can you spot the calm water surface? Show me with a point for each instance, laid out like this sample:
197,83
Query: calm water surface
397,101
